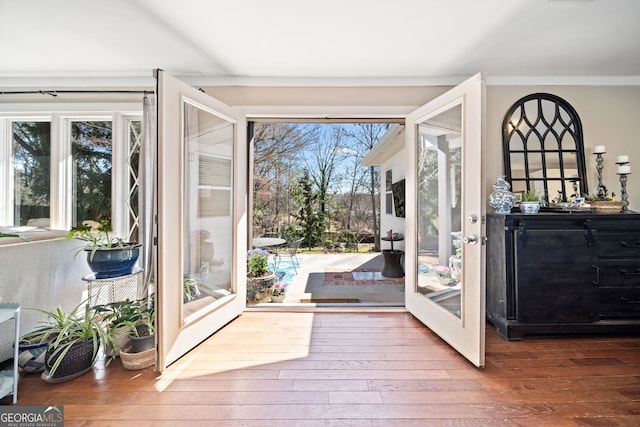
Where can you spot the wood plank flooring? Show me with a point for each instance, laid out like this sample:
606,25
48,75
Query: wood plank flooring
359,369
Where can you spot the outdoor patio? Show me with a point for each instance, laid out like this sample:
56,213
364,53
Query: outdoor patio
338,279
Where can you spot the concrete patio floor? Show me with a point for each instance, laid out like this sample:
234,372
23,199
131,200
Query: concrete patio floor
308,285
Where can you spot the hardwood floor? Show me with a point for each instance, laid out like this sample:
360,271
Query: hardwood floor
359,369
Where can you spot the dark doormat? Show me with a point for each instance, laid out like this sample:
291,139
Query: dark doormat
330,300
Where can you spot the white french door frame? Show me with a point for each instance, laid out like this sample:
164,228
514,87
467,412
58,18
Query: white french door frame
465,333
175,337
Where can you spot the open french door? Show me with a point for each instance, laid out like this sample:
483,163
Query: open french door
445,273
202,182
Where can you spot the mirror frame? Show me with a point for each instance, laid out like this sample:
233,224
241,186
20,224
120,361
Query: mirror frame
539,127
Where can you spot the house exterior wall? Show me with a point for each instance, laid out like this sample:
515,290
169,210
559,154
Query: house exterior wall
391,221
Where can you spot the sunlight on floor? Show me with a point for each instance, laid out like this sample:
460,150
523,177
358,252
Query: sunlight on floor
211,359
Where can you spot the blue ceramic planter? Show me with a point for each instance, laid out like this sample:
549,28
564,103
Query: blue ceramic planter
113,262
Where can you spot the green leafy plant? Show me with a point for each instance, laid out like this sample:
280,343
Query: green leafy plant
138,315
64,330
190,290
257,262
531,196
98,235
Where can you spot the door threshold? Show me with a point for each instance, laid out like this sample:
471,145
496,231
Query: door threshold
328,307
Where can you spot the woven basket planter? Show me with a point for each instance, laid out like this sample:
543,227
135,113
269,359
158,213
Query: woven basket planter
605,206
136,361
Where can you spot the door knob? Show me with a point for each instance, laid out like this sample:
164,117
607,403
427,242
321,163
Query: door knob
470,240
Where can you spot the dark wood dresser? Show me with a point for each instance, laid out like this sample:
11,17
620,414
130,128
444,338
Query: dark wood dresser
563,273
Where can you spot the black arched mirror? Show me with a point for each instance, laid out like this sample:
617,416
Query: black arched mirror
543,148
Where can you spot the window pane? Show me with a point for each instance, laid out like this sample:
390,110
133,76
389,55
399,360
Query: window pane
91,143
135,135
31,169
207,213
439,226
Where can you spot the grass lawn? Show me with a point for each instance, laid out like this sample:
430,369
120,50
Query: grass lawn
362,249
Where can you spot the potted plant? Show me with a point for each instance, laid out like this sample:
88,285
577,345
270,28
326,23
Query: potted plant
141,353
278,292
32,349
107,254
120,317
74,341
190,290
530,203
260,279
455,261
603,203
443,273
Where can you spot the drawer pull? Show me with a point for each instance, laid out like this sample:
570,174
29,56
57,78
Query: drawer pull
597,281
630,273
626,245
629,301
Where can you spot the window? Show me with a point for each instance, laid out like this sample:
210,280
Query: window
91,149
65,168
31,167
388,192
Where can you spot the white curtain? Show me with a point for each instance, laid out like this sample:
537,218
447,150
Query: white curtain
147,191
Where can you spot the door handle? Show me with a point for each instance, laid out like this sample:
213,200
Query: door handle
470,240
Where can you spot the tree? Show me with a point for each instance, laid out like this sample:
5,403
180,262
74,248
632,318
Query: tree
275,167
323,159
312,222
32,168
92,149
367,135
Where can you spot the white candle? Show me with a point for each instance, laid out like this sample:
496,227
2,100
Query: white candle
624,169
623,159
599,149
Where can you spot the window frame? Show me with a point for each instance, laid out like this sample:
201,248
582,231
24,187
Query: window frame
61,198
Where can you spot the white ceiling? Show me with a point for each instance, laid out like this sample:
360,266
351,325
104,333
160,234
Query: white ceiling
298,40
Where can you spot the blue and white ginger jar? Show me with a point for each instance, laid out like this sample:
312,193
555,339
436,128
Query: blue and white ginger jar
502,200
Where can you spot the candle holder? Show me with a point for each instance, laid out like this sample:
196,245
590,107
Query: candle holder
602,192
623,189
574,186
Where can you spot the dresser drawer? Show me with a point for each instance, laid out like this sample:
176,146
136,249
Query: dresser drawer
619,303
625,273
618,245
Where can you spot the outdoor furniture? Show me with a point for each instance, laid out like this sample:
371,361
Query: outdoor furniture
269,244
9,379
291,250
392,265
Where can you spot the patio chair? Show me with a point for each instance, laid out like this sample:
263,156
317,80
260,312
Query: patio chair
290,249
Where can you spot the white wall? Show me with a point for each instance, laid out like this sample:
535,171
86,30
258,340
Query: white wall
40,274
390,221
610,116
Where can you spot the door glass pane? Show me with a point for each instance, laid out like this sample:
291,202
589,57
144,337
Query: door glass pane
31,172
208,214
91,148
439,224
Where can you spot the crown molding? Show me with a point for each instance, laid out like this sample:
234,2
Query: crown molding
148,81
